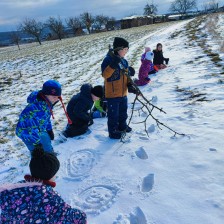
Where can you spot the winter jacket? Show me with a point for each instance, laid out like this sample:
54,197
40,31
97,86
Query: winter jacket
158,57
116,83
35,118
34,202
79,105
146,67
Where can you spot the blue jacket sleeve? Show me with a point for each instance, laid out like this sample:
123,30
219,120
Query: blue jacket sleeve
105,63
49,125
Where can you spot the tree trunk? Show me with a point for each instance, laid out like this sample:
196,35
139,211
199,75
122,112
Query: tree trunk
18,46
38,39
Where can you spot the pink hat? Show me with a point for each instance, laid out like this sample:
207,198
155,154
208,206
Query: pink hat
147,49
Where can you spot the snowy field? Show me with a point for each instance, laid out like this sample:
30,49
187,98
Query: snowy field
160,179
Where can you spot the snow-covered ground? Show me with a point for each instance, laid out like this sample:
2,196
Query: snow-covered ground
160,179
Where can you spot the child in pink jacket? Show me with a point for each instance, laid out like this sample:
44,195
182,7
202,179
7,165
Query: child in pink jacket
146,68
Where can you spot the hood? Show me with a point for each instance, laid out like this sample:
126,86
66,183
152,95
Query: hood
32,97
85,90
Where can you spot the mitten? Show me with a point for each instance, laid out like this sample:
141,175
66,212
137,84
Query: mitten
133,89
131,71
167,60
51,134
116,60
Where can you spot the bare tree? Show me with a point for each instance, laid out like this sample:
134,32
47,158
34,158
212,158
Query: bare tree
182,6
73,23
100,21
32,27
56,26
15,38
150,9
111,23
87,20
212,5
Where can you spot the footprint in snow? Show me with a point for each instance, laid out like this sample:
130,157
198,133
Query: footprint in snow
154,99
212,149
138,217
145,138
141,154
147,183
151,128
101,138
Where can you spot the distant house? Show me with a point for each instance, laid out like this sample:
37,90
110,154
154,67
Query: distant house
221,9
160,18
135,21
113,25
174,17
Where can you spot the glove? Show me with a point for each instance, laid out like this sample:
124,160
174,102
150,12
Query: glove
116,60
167,60
132,89
131,71
51,134
90,121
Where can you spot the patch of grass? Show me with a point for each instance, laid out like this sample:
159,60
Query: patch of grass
216,59
175,34
3,140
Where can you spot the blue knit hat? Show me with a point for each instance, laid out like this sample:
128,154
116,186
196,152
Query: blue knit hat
52,87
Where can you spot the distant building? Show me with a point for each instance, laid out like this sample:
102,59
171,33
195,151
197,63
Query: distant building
135,21
160,18
113,25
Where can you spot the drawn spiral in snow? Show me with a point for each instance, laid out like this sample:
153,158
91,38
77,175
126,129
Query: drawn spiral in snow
97,198
80,163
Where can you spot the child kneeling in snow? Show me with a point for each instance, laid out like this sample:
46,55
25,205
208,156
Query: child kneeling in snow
34,200
34,125
78,109
158,60
146,69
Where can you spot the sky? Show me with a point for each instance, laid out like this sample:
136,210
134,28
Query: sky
13,12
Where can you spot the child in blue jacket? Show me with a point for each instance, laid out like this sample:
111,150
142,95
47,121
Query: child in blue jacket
34,125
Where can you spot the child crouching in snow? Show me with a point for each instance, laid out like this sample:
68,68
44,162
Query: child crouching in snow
78,109
146,68
34,125
34,200
158,60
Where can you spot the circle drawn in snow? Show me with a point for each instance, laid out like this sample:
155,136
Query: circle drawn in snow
97,198
80,163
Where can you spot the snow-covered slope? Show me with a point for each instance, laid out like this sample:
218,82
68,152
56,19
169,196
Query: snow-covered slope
160,179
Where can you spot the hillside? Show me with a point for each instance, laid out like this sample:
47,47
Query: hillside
160,179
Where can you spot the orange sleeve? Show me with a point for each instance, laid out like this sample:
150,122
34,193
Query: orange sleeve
108,72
